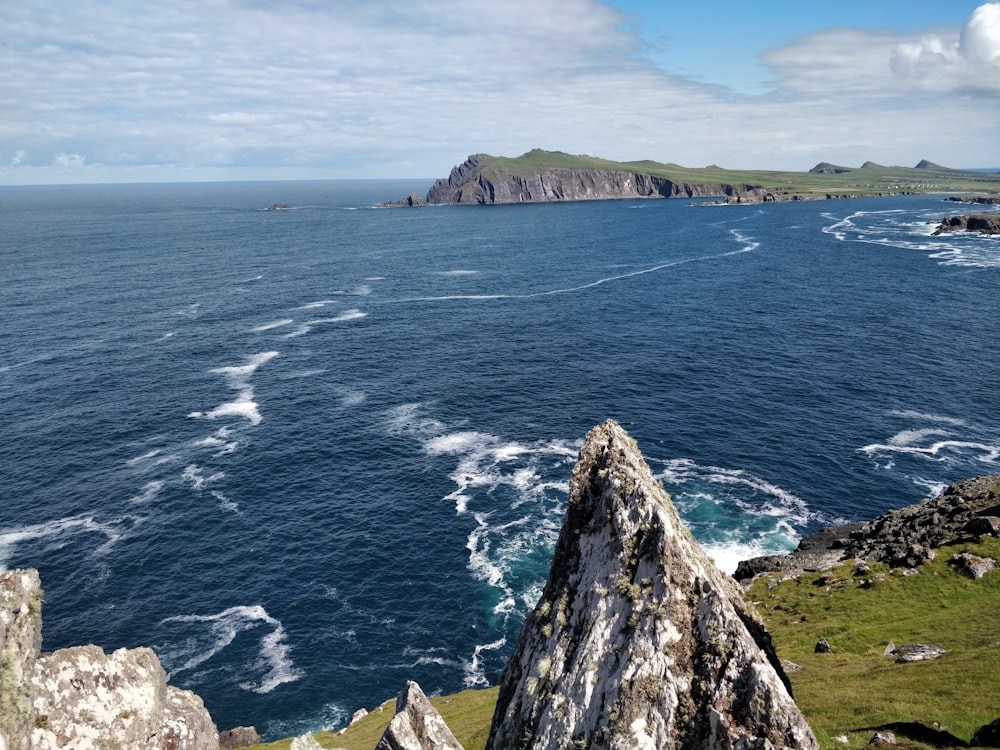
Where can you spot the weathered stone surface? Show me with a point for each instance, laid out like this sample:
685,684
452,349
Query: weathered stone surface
911,652
973,566
305,742
901,537
238,737
417,725
638,639
822,646
82,698
882,738
20,641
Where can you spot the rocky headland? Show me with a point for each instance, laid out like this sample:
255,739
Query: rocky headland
552,176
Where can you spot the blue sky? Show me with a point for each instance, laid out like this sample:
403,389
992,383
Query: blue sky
123,91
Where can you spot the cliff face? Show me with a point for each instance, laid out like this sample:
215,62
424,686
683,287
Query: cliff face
476,182
638,639
81,697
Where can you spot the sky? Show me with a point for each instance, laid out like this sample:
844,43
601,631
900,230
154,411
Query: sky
148,91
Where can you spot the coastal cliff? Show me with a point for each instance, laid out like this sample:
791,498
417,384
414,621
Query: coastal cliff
479,180
553,176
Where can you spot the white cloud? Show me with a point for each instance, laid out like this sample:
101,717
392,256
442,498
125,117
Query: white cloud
410,87
949,61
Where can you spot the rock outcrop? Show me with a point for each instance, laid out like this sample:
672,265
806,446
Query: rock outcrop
979,223
902,538
417,725
82,698
638,639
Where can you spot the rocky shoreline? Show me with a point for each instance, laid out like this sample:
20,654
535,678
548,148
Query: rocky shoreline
979,223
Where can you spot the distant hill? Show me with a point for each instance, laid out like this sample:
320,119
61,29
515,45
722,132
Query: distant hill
825,167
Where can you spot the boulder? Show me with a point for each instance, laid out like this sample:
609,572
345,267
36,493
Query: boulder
911,652
417,725
973,566
638,639
305,742
20,641
238,737
822,647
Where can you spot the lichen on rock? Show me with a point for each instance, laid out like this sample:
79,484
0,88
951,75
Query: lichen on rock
638,639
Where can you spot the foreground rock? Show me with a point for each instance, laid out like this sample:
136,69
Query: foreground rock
417,725
903,538
82,698
639,640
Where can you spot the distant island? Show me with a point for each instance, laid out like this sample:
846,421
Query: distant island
553,176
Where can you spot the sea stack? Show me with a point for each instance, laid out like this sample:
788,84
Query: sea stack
639,641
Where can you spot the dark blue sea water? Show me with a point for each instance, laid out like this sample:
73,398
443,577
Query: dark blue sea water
309,454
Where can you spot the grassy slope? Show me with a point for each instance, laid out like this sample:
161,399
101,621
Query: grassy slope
855,688
869,180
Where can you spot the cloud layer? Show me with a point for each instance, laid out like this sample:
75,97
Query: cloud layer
103,90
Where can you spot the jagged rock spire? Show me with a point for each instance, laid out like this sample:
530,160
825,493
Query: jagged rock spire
417,725
639,641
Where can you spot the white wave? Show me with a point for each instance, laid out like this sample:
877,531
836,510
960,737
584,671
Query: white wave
273,666
218,441
728,555
352,398
986,452
306,327
150,490
56,534
475,674
243,406
456,272
239,374
909,437
302,373
885,228
272,325
314,305
196,477
924,417
144,457
224,502
164,337
191,311
362,290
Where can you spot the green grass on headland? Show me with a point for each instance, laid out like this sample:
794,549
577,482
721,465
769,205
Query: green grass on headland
854,690
871,179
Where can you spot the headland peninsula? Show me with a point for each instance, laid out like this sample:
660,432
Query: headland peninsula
540,176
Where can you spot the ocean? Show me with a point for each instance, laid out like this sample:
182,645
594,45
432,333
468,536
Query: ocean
309,454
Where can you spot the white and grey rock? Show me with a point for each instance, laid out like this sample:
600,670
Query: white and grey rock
417,725
82,698
639,641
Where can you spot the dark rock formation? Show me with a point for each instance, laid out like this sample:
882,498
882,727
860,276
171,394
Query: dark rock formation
279,207
981,223
987,736
924,164
238,737
902,537
417,725
408,202
982,200
638,639
81,697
